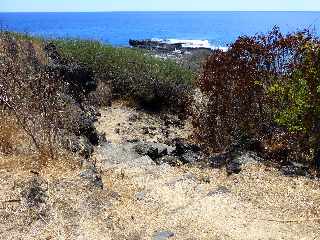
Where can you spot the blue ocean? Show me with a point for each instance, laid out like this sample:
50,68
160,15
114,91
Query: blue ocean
206,28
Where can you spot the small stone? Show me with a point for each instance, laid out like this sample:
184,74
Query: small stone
133,117
183,147
221,190
140,196
35,192
171,160
233,167
115,195
162,235
145,131
206,179
147,150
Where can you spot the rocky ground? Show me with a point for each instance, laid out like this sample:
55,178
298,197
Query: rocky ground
145,183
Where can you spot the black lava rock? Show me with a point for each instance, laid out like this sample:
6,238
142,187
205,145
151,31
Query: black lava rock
233,167
219,161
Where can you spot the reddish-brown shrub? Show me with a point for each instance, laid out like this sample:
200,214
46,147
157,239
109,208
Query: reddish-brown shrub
255,87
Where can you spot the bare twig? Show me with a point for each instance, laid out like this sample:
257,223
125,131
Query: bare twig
290,220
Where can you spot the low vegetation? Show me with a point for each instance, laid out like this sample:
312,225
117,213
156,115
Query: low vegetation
132,74
50,91
265,87
39,110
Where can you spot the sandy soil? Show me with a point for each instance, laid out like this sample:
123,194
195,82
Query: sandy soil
141,200
196,203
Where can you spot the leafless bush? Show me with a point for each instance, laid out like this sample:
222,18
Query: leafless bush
34,97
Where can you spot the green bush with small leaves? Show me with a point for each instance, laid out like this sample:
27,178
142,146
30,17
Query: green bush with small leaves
133,73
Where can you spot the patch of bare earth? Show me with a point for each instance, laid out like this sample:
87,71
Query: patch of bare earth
142,200
122,123
194,203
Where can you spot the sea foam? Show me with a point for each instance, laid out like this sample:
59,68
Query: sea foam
191,43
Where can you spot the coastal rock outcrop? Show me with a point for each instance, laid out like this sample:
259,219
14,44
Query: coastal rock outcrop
155,45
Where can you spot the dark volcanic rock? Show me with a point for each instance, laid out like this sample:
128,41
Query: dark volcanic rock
295,169
93,177
153,150
147,150
155,45
183,147
171,160
187,153
233,167
219,160
80,79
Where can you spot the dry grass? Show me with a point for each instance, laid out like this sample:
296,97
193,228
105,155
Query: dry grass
260,203
140,199
8,135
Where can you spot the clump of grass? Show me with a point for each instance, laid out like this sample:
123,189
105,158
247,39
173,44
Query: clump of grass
132,73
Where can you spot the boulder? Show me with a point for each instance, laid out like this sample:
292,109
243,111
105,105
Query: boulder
147,150
236,162
187,153
183,147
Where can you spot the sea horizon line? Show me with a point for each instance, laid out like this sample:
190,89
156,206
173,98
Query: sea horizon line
166,11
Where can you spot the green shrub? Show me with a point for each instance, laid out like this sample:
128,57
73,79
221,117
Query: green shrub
132,73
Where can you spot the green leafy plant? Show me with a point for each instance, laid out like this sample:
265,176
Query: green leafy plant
133,73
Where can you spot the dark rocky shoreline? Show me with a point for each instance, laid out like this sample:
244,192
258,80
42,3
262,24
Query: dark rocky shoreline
189,57
164,46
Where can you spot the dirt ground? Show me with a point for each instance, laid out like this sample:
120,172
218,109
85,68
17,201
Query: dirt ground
142,200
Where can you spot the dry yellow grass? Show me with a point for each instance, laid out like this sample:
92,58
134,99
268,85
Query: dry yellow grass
142,198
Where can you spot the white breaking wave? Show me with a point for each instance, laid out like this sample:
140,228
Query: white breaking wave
189,43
